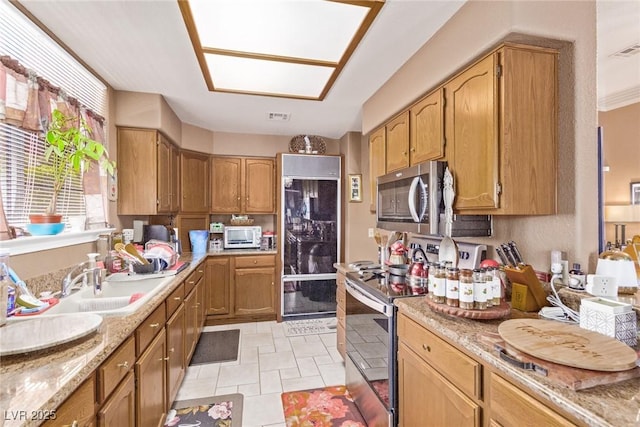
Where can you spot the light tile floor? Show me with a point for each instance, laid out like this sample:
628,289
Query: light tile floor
268,364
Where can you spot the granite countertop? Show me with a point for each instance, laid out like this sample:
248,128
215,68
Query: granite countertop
610,405
42,380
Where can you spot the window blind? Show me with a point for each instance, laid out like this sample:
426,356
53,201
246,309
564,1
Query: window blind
24,189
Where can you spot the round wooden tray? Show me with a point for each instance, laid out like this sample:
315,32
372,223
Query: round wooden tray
495,312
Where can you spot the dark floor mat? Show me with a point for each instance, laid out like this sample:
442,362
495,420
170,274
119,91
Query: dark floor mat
218,346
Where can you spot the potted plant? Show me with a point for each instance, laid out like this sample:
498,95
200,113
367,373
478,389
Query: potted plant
70,151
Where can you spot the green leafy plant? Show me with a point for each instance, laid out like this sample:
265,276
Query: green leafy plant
70,151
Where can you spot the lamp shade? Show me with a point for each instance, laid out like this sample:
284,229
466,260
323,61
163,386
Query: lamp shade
622,213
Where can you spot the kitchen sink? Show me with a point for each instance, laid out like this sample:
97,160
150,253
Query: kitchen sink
118,298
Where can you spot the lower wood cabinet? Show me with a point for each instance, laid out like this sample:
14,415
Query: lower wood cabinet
79,409
508,404
151,383
426,398
120,409
254,285
175,357
217,293
240,288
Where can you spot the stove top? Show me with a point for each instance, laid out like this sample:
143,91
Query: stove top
383,286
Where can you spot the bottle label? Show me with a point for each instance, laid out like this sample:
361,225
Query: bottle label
439,286
577,281
466,292
480,292
453,289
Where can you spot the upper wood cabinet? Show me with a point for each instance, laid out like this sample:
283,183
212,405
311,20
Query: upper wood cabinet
377,162
194,182
501,131
147,173
242,185
426,128
397,138
471,129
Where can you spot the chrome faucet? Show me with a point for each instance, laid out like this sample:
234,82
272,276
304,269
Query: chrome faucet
90,274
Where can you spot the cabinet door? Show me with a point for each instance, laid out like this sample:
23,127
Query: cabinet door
151,383
398,142
217,275
528,149
175,352
428,399
190,323
377,163
174,179
120,409
341,300
254,291
164,175
259,185
79,408
226,185
194,182
426,128
472,139
137,172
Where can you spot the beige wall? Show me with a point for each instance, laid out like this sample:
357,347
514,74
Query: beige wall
478,26
621,152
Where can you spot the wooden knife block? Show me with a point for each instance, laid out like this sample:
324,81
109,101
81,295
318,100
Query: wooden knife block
527,293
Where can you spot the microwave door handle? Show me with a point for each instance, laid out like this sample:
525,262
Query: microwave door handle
424,201
364,299
412,198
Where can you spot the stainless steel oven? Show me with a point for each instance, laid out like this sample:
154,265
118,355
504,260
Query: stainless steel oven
372,345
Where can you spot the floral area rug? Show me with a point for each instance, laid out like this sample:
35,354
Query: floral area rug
322,407
217,411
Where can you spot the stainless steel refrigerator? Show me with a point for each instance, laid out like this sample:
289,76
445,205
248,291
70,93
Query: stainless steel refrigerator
310,230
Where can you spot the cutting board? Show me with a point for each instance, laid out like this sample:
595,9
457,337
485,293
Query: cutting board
567,344
566,376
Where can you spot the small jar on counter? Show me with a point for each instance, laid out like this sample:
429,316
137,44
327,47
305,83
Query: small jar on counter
439,284
453,287
466,289
495,286
480,290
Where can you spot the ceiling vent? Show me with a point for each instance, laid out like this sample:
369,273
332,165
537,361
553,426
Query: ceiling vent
628,51
279,117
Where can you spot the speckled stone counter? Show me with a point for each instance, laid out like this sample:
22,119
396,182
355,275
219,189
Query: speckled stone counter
41,381
612,405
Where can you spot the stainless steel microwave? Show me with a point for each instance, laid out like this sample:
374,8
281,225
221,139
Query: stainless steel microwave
409,199
239,237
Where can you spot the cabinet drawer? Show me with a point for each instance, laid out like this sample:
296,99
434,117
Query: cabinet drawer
450,362
510,405
255,261
174,300
149,328
114,369
193,278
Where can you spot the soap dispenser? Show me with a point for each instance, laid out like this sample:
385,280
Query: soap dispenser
94,274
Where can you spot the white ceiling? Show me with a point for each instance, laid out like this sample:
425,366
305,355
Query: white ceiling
143,46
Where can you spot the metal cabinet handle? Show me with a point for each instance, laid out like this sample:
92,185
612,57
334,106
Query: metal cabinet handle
164,359
154,325
176,298
125,365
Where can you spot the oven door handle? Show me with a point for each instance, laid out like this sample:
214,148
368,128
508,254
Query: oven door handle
353,290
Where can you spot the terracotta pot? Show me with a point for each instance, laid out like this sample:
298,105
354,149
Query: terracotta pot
45,218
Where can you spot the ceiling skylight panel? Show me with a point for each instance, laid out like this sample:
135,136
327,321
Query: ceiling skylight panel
312,29
267,77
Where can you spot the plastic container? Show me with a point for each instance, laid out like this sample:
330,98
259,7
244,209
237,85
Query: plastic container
199,241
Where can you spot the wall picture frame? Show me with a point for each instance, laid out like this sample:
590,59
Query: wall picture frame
635,193
355,188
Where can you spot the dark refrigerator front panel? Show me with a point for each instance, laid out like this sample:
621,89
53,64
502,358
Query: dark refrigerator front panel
310,218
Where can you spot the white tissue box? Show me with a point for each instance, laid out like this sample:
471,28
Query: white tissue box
612,318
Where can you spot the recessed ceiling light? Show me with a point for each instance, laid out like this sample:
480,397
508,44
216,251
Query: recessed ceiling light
285,48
